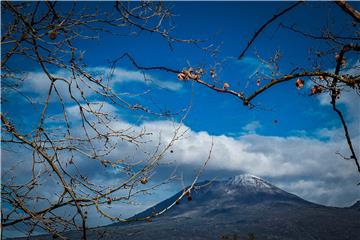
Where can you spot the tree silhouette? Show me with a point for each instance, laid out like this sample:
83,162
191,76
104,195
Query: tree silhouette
46,34
340,79
335,81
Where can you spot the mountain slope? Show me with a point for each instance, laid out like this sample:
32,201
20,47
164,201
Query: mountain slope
219,197
241,205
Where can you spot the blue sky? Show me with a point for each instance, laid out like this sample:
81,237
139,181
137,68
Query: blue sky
230,24
229,28
297,152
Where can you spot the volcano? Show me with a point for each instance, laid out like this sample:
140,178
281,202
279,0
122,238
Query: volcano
242,207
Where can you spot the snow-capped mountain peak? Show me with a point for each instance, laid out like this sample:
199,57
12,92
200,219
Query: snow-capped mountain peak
250,182
243,202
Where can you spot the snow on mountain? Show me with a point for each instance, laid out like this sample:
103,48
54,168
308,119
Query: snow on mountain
250,183
235,207
249,180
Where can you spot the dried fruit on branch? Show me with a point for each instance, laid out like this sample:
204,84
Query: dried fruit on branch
343,62
299,83
212,73
226,85
316,89
181,76
337,57
53,35
144,180
188,74
337,93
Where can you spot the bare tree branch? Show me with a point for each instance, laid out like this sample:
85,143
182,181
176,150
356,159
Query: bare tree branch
272,19
344,5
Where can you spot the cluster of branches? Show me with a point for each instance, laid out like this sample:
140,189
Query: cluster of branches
341,78
44,35
325,81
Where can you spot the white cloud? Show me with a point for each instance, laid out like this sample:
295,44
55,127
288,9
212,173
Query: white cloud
348,96
303,165
265,155
121,75
291,161
298,163
251,127
37,82
96,107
